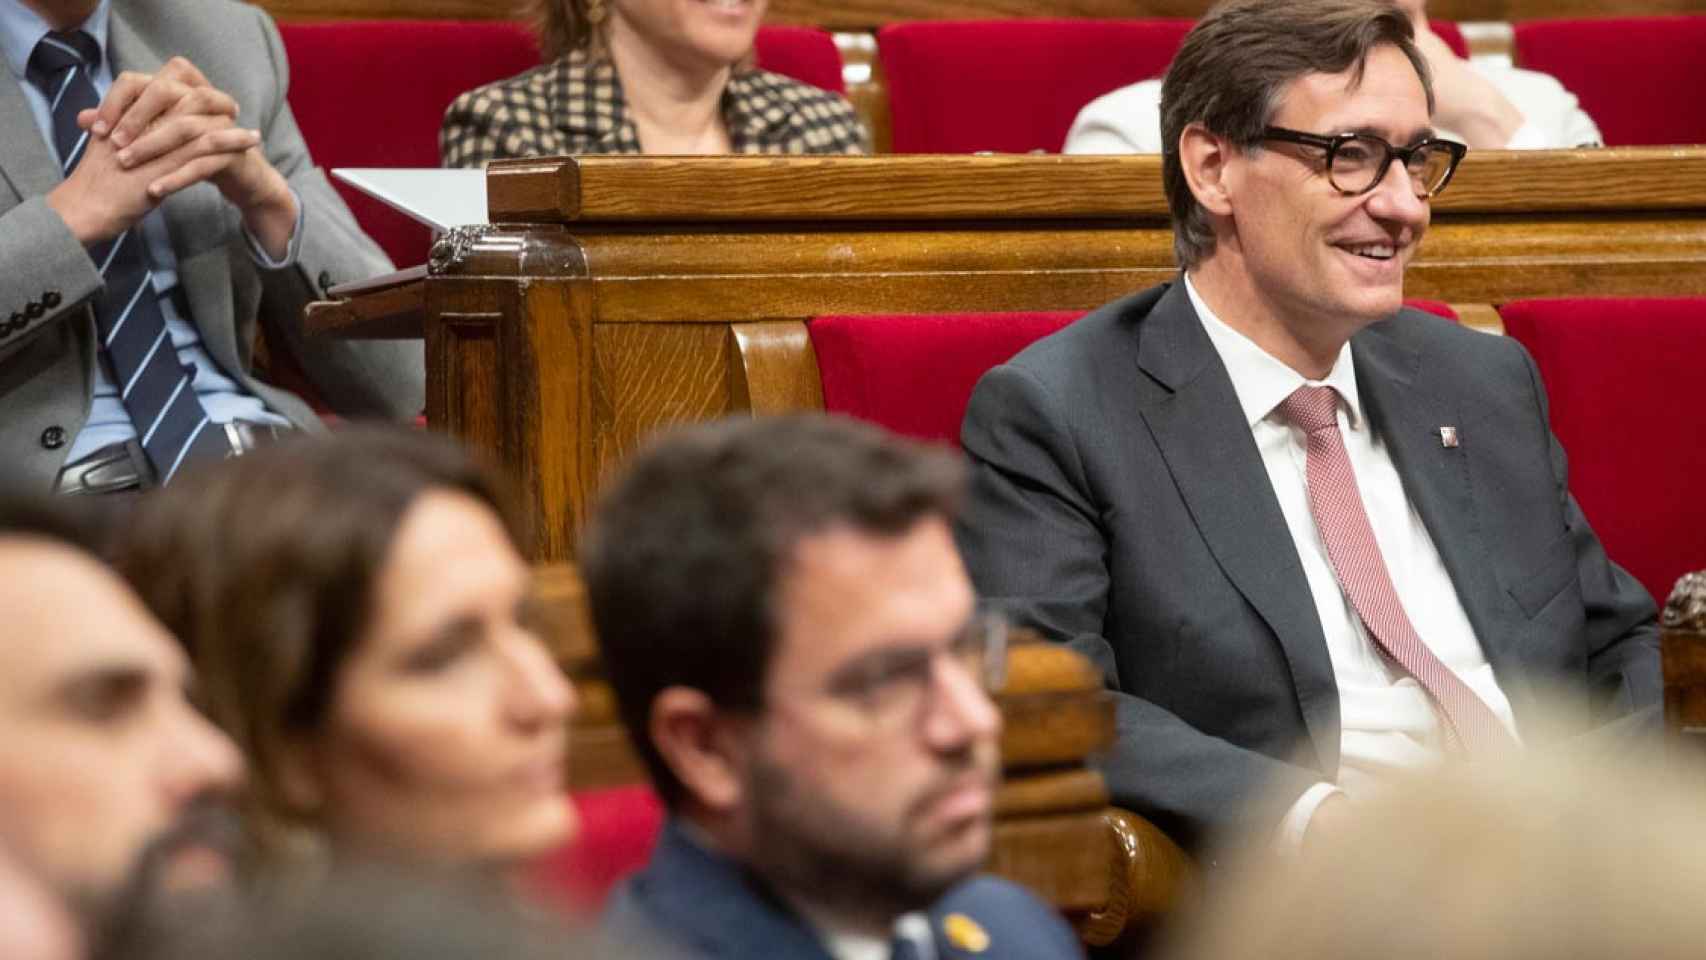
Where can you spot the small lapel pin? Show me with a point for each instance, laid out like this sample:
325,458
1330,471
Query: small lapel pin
965,933
1448,437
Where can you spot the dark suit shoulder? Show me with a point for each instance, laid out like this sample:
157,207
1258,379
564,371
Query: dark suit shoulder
1015,923
1085,342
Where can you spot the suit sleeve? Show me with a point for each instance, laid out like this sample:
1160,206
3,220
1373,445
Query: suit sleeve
1036,548
45,274
382,378
1621,628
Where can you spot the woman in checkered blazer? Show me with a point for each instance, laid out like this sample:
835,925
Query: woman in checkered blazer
645,76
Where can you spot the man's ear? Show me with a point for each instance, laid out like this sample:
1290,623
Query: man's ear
694,739
1204,157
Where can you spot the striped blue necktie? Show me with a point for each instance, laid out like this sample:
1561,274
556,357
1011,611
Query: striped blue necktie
170,422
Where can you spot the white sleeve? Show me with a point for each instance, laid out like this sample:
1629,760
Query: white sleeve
1552,117
1288,837
1127,120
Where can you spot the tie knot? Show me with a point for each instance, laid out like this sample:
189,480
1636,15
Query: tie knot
60,51
1311,408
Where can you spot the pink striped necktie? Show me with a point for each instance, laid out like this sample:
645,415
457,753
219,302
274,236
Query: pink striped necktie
1339,515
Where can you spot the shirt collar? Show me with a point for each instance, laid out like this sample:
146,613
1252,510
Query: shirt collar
1261,381
22,28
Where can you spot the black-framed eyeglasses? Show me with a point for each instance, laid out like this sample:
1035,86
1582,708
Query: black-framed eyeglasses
1358,161
891,688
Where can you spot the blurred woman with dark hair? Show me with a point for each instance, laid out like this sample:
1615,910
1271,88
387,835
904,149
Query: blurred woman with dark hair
645,76
358,609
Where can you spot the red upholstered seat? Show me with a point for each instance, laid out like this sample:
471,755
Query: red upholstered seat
1015,85
914,373
804,53
618,828
1639,78
1624,381
372,93
1011,85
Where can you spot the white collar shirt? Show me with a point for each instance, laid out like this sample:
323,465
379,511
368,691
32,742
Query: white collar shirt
1387,721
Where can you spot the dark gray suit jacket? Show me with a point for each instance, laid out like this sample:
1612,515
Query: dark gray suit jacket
1119,504
691,904
47,366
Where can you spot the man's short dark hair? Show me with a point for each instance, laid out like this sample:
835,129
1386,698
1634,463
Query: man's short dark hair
1237,61
684,550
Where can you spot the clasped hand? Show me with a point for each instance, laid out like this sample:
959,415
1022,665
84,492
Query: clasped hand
155,134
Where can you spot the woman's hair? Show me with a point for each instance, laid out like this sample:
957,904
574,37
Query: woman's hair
266,566
565,26
562,25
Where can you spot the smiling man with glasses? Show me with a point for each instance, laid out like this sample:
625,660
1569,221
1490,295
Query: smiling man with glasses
1316,537
801,662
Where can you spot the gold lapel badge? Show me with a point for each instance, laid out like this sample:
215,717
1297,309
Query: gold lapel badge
965,933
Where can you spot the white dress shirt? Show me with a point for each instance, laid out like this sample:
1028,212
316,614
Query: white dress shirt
1387,720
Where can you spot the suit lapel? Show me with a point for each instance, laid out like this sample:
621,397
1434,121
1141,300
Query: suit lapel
26,160
1407,418
1200,430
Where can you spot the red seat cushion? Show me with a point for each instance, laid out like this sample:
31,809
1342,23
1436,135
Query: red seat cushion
805,53
618,828
372,94
1624,382
914,373
1637,77
1016,85
1011,85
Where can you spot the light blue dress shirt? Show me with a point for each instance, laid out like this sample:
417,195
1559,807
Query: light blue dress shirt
223,398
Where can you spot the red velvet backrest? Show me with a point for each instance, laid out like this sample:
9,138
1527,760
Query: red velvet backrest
1625,386
1011,85
618,828
372,94
1016,85
1639,78
914,373
804,53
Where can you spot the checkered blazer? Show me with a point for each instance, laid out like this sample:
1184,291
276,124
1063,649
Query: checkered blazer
574,105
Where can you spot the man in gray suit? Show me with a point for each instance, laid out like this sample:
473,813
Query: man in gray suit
185,208
1313,537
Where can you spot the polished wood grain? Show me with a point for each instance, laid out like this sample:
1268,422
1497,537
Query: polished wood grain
1150,878
745,188
1682,644
1074,788
765,361
589,190
1063,857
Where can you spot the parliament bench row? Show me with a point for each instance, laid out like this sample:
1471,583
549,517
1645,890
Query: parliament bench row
372,93
1618,371
614,296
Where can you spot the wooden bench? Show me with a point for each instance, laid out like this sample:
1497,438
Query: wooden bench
618,295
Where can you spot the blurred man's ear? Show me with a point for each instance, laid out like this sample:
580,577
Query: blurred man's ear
697,742
1203,158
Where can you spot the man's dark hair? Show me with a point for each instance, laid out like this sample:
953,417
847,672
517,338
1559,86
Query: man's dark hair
1236,63
684,550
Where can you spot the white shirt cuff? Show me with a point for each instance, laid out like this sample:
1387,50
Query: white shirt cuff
291,249
1288,838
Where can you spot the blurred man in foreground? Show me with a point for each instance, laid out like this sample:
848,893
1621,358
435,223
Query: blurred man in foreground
798,655
101,753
